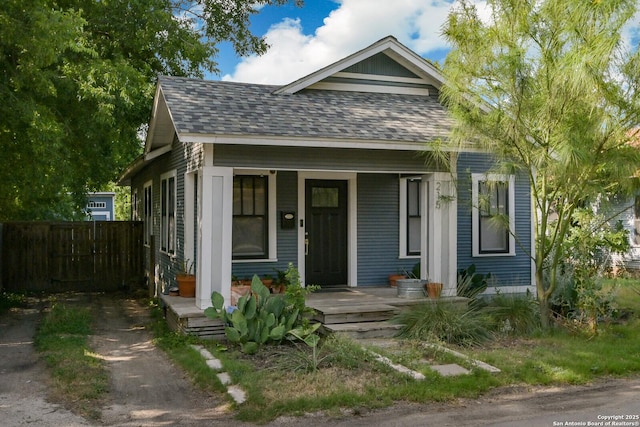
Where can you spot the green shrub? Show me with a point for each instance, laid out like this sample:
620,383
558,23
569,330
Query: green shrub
443,322
514,314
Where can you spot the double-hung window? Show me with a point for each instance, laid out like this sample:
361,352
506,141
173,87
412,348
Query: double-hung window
493,215
168,213
250,217
411,216
147,214
414,217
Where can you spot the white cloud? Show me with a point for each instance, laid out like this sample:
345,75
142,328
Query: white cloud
353,26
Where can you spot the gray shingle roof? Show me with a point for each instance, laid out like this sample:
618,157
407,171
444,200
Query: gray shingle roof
241,109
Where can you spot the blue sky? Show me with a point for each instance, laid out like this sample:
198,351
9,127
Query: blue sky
323,31
311,17
306,39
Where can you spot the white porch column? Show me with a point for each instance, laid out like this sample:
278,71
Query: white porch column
440,258
215,219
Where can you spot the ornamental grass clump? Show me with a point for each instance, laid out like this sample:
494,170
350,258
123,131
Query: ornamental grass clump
443,322
514,314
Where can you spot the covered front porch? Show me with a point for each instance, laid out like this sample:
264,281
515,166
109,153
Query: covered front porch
348,229
362,312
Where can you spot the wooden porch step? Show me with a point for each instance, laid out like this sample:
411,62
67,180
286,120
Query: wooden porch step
362,330
355,313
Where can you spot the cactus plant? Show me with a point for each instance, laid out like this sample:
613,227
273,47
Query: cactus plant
259,318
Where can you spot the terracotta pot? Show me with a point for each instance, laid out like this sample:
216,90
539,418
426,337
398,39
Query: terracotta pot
394,277
434,290
238,291
186,285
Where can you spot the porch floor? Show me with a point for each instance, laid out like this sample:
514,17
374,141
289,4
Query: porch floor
361,312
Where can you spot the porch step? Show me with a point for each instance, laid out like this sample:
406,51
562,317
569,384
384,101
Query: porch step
362,330
353,313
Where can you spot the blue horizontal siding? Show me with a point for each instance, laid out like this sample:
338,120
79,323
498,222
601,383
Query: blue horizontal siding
378,229
506,271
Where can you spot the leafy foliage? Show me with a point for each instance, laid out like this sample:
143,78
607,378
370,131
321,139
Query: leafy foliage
550,88
260,317
306,333
77,79
295,294
580,301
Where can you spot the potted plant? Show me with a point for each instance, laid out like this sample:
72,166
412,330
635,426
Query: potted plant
186,280
280,282
267,281
434,289
239,288
393,278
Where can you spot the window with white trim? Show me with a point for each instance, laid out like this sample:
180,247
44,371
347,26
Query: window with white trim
410,216
168,213
414,216
493,215
250,217
147,214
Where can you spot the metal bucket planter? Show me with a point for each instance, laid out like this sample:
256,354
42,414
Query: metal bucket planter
410,288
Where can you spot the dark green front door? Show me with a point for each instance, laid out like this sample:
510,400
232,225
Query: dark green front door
326,233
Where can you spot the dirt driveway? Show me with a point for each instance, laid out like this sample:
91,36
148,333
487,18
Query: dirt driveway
147,390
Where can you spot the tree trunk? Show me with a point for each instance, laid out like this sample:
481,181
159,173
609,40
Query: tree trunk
545,314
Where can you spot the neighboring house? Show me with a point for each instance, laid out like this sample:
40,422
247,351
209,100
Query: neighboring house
334,173
101,206
627,211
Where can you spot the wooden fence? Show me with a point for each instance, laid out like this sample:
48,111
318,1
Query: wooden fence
71,256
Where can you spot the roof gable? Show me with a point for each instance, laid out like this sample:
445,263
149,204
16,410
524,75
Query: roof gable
382,65
386,66
384,96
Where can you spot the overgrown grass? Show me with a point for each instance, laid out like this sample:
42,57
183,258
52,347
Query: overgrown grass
77,375
441,321
564,358
350,378
627,293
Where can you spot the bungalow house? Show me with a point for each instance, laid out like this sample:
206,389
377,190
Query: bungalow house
101,206
335,172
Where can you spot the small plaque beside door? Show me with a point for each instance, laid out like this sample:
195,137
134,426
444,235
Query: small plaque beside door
287,219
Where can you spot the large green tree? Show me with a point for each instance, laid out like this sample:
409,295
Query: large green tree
77,80
552,89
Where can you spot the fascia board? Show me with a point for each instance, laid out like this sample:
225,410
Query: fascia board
303,142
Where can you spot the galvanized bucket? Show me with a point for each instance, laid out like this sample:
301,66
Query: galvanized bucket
411,288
